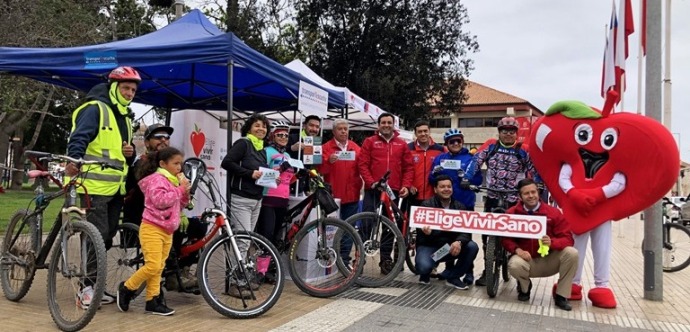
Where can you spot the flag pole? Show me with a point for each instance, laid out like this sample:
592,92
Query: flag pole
640,63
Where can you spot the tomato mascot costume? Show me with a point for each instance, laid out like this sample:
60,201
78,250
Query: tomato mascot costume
601,166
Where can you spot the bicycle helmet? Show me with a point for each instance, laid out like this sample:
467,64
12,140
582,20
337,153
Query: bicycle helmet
452,132
280,124
124,74
508,122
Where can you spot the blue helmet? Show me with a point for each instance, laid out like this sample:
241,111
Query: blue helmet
452,132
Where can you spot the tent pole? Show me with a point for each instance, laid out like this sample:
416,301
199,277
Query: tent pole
231,88
168,115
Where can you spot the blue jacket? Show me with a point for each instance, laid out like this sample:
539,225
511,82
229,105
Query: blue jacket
464,196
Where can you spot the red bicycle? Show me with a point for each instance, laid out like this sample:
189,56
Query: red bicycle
233,284
385,244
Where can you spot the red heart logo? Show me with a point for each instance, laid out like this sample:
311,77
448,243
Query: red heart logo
601,166
198,140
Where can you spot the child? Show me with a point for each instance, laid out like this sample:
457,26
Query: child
166,192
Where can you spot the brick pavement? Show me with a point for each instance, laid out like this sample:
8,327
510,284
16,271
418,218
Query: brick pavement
408,306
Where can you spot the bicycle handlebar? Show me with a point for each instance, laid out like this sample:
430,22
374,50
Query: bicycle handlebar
485,188
79,162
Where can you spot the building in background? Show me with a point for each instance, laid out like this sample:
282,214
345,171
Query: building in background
481,112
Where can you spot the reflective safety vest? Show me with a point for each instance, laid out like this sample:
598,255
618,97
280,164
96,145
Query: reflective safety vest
107,146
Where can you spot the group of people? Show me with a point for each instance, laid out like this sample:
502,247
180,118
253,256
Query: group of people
424,172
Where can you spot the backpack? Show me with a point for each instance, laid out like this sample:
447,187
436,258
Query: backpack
518,147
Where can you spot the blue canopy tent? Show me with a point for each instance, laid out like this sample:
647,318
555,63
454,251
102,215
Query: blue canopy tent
189,64
184,66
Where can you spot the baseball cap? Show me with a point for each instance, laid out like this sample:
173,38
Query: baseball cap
156,127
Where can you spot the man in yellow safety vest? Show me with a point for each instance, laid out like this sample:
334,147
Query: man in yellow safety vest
102,130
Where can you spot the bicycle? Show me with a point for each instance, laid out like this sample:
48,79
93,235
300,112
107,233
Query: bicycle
233,284
675,243
76,247
381,237
495,256
318,250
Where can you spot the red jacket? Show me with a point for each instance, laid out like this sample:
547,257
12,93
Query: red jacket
422,160
557,228
343,175
379,156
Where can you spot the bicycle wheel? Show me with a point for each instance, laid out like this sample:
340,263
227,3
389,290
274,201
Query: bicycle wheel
381,239
491,268
124,257
235,291
18,255
313,265
79,245
676,248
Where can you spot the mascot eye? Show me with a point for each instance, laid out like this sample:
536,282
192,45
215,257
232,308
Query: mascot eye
583,134
609,138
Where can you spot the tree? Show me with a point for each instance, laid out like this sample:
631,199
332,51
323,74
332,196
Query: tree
406,56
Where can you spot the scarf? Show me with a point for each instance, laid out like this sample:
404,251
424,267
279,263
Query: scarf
173,179
117,99
256,142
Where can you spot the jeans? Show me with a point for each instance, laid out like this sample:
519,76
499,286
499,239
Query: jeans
346,211
244,214
456,266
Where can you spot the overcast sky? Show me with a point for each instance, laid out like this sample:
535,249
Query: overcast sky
544,51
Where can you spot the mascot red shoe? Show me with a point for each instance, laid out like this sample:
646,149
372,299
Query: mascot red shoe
599,167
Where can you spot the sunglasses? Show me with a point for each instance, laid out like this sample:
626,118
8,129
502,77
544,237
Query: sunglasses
161,136
508,131
455,141
281,135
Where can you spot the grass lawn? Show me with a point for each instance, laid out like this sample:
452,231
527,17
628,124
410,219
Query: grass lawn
13,200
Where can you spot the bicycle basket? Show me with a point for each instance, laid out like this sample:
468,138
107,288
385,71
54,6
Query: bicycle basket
326,201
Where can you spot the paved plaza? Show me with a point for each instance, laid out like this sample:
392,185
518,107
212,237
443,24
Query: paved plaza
408,306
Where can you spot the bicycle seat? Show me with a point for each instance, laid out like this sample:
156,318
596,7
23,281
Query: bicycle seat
37,174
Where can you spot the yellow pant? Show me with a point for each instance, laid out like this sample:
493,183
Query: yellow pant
155,244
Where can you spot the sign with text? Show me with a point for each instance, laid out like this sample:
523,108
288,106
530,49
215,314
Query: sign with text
312,100
506,225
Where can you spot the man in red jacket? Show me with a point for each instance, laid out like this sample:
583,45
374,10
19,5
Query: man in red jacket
526,262
380,153
423,150
339,168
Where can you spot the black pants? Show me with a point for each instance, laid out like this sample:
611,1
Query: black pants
270,221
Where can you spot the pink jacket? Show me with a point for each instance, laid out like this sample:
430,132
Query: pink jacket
162,202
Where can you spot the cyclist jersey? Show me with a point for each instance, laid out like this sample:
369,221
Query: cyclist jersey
503,169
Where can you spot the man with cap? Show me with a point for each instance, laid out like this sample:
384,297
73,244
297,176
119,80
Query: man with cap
102,130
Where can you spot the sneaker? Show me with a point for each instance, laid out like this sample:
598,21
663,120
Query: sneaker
468,279
107,298
156,307
524,296
457,284
482,280
386,266
84,297
124,296
424,280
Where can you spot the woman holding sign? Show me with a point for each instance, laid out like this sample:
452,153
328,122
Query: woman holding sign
242,162
275,202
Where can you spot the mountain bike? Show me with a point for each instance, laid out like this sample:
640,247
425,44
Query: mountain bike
233,284
78,251
495,256
325,254
675,245
382,237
